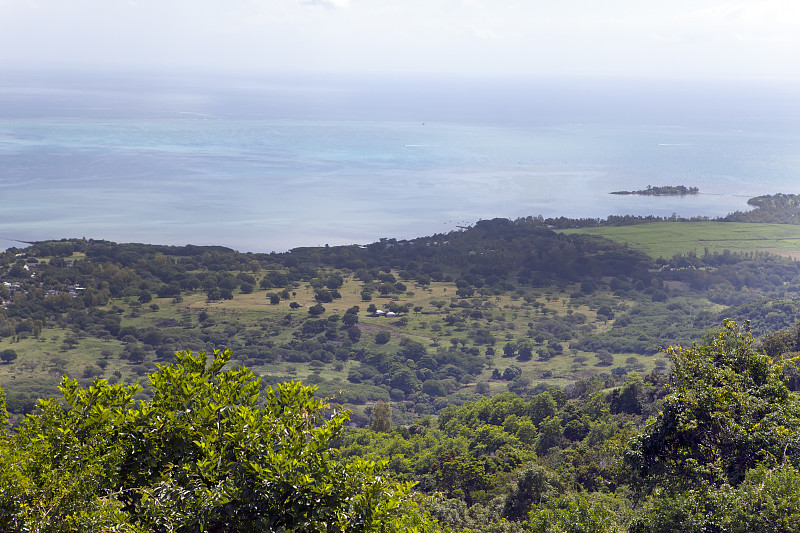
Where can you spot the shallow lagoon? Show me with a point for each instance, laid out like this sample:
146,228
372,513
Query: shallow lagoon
262,168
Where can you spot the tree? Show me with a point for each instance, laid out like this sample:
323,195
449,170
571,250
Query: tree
246,288
405,379
134,353
381,417
350,319
70,341
726,410
8,355
541,407
334,282
323,296
767,500
605,358
628,399
512,372
207,453
411,349
354,333
605,312
550,433
509,350
574,512
532,485
465,292
382,337
455,474
525,351
214,294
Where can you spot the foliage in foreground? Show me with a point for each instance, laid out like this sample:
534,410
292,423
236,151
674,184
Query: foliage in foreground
721,455
724,453
727,411
207,453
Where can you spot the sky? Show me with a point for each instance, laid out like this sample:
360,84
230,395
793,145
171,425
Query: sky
745,39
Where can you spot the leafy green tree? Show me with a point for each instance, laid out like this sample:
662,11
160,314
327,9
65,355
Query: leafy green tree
334,282
767,500
726,410
458,474
411,349
323,296
532,485
512,372
350,319
605,312
134,353
541,407
70,342
246,288
214,294
354,333
509,350
574,513
465,292
8,355
550,433
381,417
628,399
207,453
605,358
525,351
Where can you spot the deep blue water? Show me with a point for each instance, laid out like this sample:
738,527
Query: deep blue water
272,164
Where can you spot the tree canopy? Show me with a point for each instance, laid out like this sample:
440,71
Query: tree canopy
726,410
209,452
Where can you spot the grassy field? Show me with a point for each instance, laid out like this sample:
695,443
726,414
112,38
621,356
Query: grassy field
510,316
665,239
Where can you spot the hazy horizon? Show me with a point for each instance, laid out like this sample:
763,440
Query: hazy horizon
687,39
159,112
275,164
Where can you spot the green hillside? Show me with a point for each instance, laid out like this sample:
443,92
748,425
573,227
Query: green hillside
518,378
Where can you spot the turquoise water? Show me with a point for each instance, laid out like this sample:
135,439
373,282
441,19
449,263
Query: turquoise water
262,169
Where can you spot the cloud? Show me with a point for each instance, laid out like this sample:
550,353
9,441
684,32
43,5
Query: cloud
15,4
485,34
480,37
330,4
764,17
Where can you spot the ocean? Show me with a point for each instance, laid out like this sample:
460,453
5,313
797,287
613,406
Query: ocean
272,163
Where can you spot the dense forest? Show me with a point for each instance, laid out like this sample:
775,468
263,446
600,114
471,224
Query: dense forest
506,377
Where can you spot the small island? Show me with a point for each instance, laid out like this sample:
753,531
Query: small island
666,190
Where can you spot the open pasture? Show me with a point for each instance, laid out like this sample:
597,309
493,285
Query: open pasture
665,239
